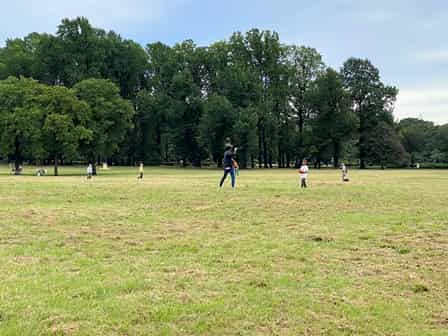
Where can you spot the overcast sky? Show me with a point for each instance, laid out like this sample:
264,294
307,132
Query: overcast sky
405,39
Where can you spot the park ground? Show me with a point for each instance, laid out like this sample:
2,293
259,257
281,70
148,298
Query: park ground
173,255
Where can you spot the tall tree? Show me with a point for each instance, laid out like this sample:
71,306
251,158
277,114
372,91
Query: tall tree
64,124
82,50
418,138
385,147
125,63
111,117
371,100
217,124
154,113
305,64
245,132
333,121
18,57
20,119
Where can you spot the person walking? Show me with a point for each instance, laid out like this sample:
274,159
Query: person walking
140,171
228,165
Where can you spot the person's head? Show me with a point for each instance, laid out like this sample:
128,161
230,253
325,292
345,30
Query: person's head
305,162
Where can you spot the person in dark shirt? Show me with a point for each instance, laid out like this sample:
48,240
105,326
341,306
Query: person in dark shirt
228,165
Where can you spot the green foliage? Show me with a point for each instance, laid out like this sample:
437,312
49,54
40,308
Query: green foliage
371,100
64,125
419,138
20,119
276,102
384,146
111,117
217,123
333,121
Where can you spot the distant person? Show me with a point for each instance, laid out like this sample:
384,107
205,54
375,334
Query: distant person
303,172
228,165
41,172
344,172
89,171
140,171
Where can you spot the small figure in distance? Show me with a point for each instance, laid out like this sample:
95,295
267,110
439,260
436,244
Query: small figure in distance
17,171
303,172
140,171
41,172
228,165
89,171
344,172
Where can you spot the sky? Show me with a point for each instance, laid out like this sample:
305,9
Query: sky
405,39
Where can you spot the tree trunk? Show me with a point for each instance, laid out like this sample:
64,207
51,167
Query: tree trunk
301,121
260,148
56,173
17,156
362,164
17,166
265,150
336,154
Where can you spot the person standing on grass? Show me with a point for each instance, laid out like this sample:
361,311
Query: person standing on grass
303,172
344,172
89,171
228,165
140,171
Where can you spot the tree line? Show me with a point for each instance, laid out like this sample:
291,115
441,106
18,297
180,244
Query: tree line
87,94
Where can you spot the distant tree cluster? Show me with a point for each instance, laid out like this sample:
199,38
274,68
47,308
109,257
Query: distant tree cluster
87,94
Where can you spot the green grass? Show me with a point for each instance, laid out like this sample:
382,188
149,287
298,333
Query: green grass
173,255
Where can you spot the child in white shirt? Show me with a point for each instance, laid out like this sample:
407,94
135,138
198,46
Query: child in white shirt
89,171
303,171
140,171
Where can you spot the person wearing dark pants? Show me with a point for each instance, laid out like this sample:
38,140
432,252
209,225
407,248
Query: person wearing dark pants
228,166
228,171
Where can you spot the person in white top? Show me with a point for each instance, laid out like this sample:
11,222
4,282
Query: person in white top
89,171
303,171
140,171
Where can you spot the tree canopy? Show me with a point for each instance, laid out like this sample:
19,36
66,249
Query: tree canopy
87,94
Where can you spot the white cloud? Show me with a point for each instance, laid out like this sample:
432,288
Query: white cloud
428,104
432,56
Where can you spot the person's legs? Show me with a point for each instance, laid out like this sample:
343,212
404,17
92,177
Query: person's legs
226,172
302,183
232,176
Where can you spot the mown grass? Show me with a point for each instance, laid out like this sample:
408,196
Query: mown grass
173,255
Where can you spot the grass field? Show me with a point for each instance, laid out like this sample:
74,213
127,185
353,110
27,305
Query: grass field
173,255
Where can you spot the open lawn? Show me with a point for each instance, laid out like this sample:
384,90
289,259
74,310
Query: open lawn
173,255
